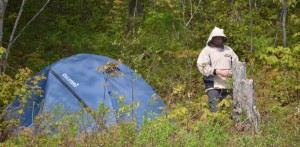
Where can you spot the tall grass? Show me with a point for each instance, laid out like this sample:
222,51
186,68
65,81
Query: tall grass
164,132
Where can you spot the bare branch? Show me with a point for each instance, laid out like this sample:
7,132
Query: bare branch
15,27
31,20
12,39
192,13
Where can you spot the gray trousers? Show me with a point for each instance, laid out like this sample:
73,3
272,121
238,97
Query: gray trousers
215,96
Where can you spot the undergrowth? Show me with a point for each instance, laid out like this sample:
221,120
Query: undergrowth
187,121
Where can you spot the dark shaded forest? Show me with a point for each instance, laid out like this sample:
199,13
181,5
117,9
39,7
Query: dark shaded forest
161,41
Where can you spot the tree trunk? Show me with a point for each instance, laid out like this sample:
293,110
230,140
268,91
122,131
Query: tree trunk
5,56
136,8
251,27
243,98
3,4
284,14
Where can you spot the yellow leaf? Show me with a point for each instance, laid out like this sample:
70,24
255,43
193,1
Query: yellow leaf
21,111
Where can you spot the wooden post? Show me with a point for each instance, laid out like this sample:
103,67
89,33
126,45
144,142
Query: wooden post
244,98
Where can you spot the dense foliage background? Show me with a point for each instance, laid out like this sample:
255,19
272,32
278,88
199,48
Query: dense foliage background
161,40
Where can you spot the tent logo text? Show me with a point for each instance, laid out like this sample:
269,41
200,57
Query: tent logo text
73,83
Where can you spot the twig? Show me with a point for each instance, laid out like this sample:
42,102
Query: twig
30,21
192,14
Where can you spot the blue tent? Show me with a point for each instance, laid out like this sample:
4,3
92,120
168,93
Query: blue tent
87,80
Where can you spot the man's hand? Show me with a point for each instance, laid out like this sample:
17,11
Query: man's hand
223,72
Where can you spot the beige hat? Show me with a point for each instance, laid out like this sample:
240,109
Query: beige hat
216,32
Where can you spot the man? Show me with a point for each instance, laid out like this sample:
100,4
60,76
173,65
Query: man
215,62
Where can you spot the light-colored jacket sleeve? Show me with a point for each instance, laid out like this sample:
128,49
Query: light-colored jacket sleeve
204,63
